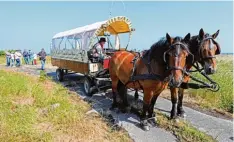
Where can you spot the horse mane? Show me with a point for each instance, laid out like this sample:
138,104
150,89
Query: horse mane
157,50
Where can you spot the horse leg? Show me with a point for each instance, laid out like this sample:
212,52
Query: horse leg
180,110
151,114
114,92
122,91
174,101
146,103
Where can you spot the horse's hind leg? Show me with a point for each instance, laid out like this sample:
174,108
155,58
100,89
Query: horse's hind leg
122,91
114,91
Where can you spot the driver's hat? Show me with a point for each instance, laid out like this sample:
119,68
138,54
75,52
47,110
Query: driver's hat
102,39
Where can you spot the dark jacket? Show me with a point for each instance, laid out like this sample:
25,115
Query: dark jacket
42,55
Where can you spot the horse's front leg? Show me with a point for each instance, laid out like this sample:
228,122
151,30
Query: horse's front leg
180,110
146,104
151,114
174,101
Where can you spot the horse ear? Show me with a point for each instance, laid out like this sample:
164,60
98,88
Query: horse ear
187,38
169,38
215,34
201,33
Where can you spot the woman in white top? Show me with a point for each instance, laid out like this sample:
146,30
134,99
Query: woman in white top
35,58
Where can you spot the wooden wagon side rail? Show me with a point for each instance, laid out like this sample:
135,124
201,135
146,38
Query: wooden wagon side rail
76,66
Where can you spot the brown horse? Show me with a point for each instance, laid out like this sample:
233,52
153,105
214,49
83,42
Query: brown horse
204,48
164,62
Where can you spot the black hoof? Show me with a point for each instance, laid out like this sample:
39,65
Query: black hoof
144,125
126,110
113,106
182,115
152,122
173,116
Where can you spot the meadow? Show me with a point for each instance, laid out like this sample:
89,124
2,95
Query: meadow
37,109
223,99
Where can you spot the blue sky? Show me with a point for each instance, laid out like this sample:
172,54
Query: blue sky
31,25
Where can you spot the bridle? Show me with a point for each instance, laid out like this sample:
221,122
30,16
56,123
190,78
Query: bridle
173,46
200,46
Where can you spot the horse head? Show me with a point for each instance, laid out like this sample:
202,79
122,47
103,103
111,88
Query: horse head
207,49
175,58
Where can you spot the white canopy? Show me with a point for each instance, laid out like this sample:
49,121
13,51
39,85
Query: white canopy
80,30
119,24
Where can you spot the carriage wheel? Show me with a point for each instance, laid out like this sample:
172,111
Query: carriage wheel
59,74
87,86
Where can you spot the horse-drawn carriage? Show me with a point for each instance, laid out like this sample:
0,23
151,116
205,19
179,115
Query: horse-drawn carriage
166,63
70,51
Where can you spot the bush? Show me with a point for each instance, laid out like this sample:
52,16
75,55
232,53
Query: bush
2,52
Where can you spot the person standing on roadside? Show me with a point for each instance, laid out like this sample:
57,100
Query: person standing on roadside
42,58
8,58
30,56
35,59
17,59
25,54
12,59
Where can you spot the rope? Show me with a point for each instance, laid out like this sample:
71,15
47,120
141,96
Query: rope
112,4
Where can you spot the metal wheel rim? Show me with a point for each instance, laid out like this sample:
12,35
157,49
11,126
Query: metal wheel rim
86,86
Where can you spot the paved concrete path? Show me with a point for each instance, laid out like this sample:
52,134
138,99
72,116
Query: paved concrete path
218,128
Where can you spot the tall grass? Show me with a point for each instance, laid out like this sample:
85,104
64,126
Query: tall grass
223,99
36,109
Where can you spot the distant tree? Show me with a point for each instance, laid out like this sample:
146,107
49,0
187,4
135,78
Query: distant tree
2,52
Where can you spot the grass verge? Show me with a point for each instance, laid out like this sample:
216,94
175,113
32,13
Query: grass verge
182,130
37,109
223,99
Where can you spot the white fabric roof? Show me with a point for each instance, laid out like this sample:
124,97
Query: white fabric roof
79,30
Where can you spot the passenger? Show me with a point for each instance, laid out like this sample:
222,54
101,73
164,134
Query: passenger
42,57
99,49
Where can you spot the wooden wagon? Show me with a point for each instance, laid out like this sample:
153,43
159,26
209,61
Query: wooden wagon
69,51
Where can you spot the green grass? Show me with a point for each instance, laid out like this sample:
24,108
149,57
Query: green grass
182,130
2,60
36,109
223,99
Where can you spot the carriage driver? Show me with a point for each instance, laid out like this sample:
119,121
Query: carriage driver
99,49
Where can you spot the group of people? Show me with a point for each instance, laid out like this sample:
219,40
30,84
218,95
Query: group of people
15,58
30,57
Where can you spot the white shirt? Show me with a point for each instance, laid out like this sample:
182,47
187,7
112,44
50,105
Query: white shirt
12,56
17,55
34,56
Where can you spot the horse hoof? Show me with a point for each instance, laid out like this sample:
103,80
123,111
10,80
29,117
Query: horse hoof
173,117
144,125
152,122
113,106
126,110
145,128
182,115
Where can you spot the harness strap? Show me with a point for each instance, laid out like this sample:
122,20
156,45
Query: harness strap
147,77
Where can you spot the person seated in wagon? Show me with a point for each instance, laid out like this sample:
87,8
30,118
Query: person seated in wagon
98,49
